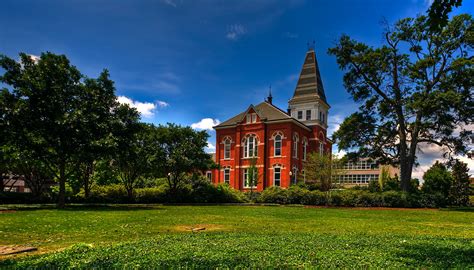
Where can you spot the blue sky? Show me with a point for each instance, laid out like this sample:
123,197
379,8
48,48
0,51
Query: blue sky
184,60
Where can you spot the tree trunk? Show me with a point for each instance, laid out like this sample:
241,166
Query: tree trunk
130,193
62,185
87,175
2,184
405,174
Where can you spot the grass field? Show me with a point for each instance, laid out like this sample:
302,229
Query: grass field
238,236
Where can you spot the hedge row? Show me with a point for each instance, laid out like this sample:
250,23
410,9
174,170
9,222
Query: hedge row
203,193
208,193
358,198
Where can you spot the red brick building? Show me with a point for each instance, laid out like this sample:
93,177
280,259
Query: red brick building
278,141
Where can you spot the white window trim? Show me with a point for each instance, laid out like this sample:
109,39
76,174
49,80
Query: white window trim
244,177
275,146
274,175
296,139
246,147
305,148
227,169
227,142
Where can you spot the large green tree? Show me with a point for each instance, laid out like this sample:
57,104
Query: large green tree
138,153
459,193
56,114
321,170
415,89
183,150
437,179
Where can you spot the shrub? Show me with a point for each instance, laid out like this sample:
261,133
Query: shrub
314,197
374,186
436,199
274,195
349,197
369,199
395,199
150,195
104,194
296,194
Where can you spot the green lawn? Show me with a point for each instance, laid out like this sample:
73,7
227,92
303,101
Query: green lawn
239,236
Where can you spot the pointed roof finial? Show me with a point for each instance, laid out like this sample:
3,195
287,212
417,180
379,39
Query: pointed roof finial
270,98
311,45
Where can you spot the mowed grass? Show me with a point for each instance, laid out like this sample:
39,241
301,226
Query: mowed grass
238,236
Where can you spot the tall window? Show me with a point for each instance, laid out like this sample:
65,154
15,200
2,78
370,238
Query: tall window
227,148
277,176
209,176
305,148
250,147
251,118
277,145
300,115
308,114
294,175
254,117
321,148
227,175
246,179
295,146
320,116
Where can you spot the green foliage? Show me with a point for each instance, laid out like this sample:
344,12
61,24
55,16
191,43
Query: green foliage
439,11
437,179
459,192
321,169
415,88
59,118
252,175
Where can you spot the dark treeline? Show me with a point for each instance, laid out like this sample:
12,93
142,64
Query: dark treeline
59,126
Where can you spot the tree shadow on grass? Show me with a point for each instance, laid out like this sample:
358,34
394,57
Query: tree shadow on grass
459,209
84,207
456,255
111,207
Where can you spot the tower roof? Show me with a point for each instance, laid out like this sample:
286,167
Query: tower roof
309,83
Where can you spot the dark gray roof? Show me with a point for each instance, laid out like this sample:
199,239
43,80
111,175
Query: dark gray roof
309,81
265,110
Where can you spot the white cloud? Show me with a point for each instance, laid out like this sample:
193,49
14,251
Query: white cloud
334,122
162,104
146,109
290,35
235,31
173,3
35,58
205,124
210,148
428,154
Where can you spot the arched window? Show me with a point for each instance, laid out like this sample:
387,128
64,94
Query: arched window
250,146
227,142
277,145
277,175
295,145
305,147
321,148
